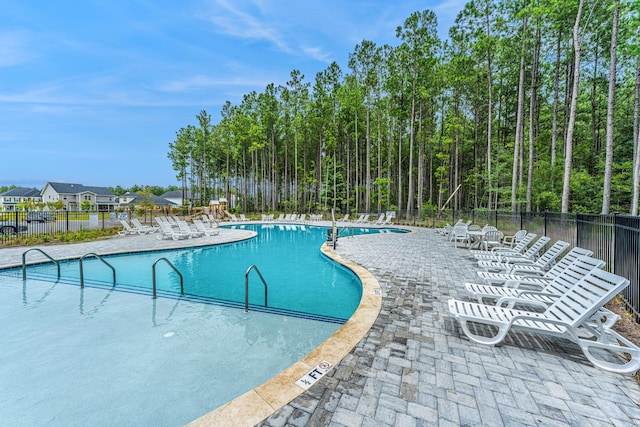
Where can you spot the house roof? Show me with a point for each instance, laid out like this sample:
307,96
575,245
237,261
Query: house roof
176,194
68,188
22,192
157,200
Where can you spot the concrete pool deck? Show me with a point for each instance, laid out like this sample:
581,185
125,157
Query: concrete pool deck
412,366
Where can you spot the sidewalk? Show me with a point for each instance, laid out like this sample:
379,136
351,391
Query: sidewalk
415,368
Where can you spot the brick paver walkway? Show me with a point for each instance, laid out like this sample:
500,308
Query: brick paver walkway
416,368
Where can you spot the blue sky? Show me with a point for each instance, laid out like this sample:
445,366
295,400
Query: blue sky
92,91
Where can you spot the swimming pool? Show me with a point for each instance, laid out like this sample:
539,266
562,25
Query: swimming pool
167,353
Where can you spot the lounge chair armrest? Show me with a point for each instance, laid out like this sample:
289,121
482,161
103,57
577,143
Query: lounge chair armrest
517,283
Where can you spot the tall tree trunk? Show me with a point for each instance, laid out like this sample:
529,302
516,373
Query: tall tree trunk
608,166
572,111
556,94
400,167
420,189
636,143
489,119
595,137
532,116
519,119
410,190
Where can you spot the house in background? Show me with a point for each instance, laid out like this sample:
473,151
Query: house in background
73,195
175,197
129,200
9,199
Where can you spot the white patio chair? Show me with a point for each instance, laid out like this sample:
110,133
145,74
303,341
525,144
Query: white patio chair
571,316
460,235
512,240
492,239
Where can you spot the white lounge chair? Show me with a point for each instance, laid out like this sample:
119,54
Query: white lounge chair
487,294
146,229
528,258
533,275
494,254
243,218
380,219
168,232
184,227
571,316
207,231
127,229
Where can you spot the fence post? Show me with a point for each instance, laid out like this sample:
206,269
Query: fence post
521,220
613,246
545,222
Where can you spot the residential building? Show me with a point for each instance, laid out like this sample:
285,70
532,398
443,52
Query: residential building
175,197
9,200
73,195
130,199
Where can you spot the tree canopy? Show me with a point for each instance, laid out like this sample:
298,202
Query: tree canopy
528,105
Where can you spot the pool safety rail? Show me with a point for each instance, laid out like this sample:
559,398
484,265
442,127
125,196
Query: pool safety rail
246,287
93,254
24,263
113,270
153,274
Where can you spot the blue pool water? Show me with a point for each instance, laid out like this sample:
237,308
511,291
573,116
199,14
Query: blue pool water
299,278
118,357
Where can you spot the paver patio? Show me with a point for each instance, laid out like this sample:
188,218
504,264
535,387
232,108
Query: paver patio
416,368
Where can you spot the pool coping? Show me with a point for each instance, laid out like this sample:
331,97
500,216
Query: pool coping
259,403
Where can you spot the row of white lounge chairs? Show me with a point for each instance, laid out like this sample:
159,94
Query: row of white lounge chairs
172,227
550,294
304,218
364,219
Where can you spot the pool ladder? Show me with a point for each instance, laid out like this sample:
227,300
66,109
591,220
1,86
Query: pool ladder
246,287
93,254
24,262
173,267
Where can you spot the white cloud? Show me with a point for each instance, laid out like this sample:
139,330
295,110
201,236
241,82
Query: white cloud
14,49
231,20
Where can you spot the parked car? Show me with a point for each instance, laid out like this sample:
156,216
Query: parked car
7,227
39,217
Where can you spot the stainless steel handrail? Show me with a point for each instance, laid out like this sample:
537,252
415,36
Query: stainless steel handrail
246,287
101,259
153,274
24,264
